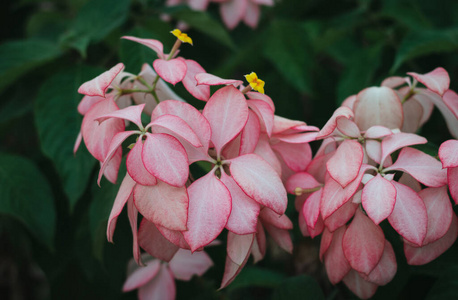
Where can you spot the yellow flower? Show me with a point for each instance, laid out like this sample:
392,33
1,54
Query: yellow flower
255,83
182,36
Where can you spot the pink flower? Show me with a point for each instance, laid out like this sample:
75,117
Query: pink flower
157,279
448,154
235,11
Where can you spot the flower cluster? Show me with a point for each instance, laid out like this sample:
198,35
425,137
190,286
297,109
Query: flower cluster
368,170
232,11
246,147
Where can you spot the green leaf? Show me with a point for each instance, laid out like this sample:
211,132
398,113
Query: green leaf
58,123
19,57
95,20
445,287
359,72
288,49
201,21
425,42
254,276
26,195
299,287
99,211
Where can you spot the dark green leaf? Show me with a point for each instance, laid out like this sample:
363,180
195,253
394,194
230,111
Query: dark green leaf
94,21
254,276
99,211
19,57
446,287
359,72
26,195
202,22
424,42
299,287
288,48
59,123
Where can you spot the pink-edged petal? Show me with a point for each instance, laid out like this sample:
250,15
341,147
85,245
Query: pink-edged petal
172,71
282,125
423,255
335,262
162,287
154,45
132,214
268,216
346,162
141,275
163,204
165,158
232,12
439,210
87,102
409,217
97,137
348,127
174,236
245,211
452,177
111,170
227,113
395,81
239,246
413,114
334,196
317,167
301,180
210,79
116,142
349,102
296,156
252,14
448,106
424,168
264,113
264,150
378,198
124,192
330,126
360,287
437,80
281,237
363,243
378,106
259,181
400,140
450,99
99,85
377,132
263,97
298,138
152,241
385,270
311,209
448,154
201,92
374,150
131,113
326,239
174,125
136,168
186,264
408,180
319,227
79,138
209,210
341,216
249,136
258,248
231,270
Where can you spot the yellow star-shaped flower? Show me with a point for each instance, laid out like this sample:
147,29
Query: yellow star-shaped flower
255,83
182,36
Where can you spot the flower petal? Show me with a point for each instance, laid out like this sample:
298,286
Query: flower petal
154,45
346,162
378,198
186,264
99,85
172,71
437,80
152,241
210,79
136,168
201,92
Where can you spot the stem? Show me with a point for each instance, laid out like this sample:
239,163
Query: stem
174,49
246,89
130,91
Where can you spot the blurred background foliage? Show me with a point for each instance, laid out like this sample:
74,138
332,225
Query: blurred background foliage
312,55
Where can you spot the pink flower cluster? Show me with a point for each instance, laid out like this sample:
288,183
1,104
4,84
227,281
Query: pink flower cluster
247,148
355,182
368,169
232,11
